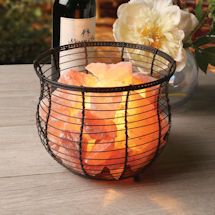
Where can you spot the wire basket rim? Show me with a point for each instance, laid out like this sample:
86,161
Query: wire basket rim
85,44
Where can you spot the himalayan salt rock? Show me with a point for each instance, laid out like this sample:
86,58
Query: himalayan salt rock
59,118
120,144
99,128
63,124
64,142
111,75
98,150
97,158
104,155
150,93
66,135
77,78
106,103
117,163
73,99
72,77
143,130
63,102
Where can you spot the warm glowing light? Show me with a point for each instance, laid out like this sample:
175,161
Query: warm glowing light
106,119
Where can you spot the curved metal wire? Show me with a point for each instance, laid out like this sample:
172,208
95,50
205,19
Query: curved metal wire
106,133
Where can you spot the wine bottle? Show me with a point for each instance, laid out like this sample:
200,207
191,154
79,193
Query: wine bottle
73,21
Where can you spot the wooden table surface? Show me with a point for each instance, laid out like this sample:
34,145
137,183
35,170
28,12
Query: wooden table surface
181,181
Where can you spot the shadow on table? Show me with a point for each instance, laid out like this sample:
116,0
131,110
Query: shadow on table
176,159
186,151
202,101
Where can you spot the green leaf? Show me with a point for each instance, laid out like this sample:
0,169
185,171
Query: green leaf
211,7
198,10
203,65
209,54
204,40
204,57
212,32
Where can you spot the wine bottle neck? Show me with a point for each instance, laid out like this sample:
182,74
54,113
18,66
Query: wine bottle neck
77,9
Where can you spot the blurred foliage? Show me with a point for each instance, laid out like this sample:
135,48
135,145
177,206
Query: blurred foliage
212,9
205,46
25,30
202,39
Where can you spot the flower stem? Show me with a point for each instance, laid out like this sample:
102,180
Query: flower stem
201,23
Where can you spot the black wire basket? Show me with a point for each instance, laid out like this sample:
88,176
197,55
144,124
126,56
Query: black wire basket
112,130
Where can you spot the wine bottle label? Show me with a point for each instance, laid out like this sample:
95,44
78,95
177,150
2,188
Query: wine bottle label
72,31
76,30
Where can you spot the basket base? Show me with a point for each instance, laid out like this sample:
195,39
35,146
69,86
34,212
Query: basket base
106,176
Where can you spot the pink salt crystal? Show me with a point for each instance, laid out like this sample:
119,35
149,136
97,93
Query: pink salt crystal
72,77
143,127
111,75
63,127
64,142
64,101
98,127
65,104
143,131
69,150
77,78
103,133
118,159
103,155
151,93
97,158
106,104
62,107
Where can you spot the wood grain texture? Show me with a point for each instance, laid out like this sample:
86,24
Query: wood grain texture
182,181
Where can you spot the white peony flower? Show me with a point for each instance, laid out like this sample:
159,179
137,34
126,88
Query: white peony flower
156,23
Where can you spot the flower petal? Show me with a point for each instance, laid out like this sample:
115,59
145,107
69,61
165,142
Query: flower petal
181,64
188,22
172,13
121,9
154,23
153,3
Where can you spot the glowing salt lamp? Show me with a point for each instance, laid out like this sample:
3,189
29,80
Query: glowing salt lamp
103,143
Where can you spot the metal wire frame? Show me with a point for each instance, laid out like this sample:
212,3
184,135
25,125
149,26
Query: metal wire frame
116,158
